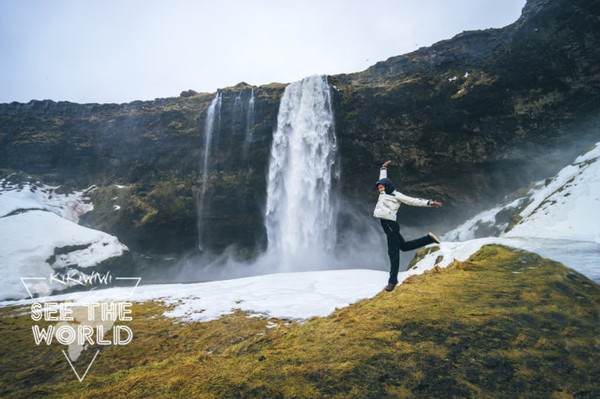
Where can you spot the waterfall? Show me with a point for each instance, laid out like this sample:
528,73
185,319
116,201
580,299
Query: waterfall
249,122
212,124
301,208
237,108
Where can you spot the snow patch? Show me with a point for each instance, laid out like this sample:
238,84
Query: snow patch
29,241
15,197
295,296
40,236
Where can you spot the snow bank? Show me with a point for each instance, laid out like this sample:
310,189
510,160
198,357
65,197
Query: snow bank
448,252
29,240
565,207
297,296
558,218
568,207
34,222
487,220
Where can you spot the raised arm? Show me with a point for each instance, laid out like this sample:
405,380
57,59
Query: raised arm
383,170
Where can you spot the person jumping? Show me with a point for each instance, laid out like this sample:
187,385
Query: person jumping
387,206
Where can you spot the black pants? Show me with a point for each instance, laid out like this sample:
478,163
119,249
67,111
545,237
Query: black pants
396,243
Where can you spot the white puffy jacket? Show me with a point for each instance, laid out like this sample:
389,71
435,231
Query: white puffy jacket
388,205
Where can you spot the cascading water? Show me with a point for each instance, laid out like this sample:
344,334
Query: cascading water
237,109
301,208
249,122
213,120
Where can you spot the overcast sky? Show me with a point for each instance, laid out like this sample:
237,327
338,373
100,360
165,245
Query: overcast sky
124,50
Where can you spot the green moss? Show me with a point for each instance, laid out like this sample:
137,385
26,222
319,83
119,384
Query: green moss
502,324
139,212
39,137
420,254
516,219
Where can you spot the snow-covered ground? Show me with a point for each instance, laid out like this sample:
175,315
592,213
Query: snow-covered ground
296,296
35,221
557,219
565,207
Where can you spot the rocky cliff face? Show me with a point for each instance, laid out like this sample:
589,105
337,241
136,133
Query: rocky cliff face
146,158
485,111
465,121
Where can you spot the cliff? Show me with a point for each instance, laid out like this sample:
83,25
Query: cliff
486,111
466,121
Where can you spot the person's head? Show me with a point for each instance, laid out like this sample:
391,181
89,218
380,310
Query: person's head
387,184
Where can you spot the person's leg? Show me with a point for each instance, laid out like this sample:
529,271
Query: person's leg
392,232
414,244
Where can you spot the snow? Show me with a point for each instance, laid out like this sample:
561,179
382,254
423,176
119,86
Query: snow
569,206
26,196
34,221
296,296
467,230
29,240
560,220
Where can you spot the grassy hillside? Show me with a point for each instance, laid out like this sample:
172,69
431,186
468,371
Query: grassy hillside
502,324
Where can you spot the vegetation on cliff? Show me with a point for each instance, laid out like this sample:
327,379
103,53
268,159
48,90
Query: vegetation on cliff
504,323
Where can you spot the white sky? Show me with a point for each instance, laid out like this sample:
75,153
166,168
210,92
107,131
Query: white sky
124,50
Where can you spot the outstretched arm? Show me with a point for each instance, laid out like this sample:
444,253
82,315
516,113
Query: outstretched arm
405,198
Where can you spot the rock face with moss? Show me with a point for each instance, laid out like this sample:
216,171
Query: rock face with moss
465,120
146,159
